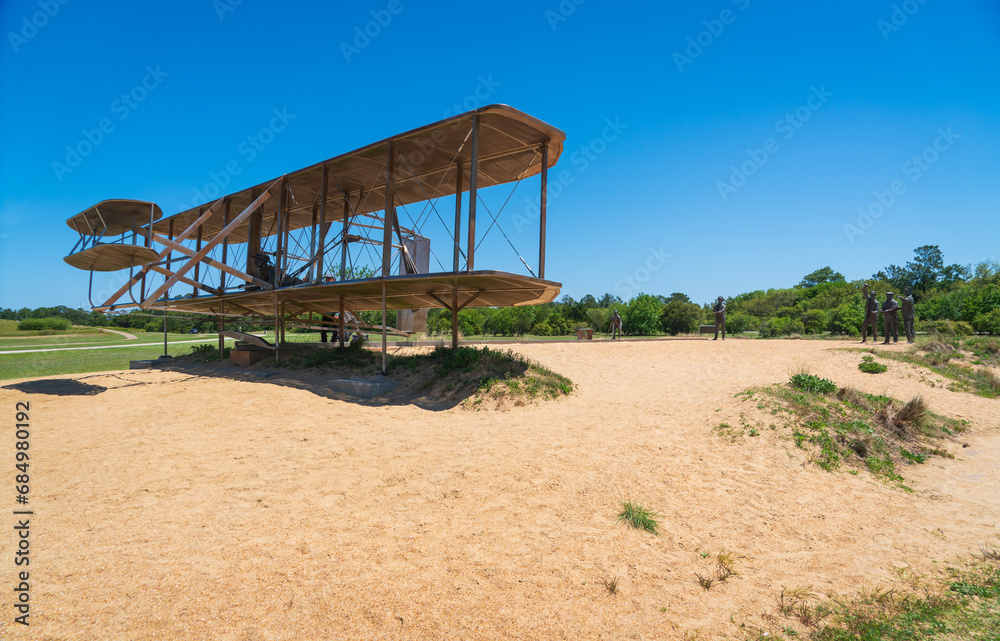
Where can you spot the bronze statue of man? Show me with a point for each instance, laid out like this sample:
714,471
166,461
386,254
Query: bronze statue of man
719,310
909,315
616,325
871,314
265,271
890,307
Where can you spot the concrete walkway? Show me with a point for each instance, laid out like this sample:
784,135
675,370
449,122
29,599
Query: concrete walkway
128,337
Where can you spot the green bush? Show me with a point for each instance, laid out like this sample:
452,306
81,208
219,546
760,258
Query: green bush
38,324
679,317
987,323
541,329
846,320
598,318
31,324
561,326
813,383
869,366
642,316
738,322
815,321
948,328
782,326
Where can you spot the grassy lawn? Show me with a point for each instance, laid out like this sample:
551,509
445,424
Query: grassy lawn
69,339
96,360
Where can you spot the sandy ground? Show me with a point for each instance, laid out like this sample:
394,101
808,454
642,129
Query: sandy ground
172,506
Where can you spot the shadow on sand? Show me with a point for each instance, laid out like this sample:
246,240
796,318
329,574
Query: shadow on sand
57,387
418,387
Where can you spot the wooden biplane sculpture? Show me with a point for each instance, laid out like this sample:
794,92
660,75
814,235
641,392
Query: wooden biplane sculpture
268,251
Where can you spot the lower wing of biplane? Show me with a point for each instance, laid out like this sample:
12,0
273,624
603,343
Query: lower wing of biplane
284,248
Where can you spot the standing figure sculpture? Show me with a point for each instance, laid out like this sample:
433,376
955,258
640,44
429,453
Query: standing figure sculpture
616,325
891,321
909,315
719,309
871,314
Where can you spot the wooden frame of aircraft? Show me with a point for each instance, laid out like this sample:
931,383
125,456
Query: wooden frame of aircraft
264,251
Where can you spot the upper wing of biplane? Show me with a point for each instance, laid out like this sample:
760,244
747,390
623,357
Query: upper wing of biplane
428,161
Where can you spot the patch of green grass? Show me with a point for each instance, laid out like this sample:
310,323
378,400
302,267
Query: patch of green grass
914,457
947,360
639,517
990,591
964,605
986,349
857,430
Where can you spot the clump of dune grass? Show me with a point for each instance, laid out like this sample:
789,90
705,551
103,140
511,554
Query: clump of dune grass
725,567
857,430
639,517
905,422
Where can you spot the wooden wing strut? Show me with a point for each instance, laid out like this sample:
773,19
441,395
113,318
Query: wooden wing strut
194,260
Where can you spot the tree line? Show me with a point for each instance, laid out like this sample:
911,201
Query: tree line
949,298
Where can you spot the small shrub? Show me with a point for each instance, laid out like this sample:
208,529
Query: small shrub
869,366
738,322
987,323
815,321
41,324
812,383
208,352
31,325
949,328
781,326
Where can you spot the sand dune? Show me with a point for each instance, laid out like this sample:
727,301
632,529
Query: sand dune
186,507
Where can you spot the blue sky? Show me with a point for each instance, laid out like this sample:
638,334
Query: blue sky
746,134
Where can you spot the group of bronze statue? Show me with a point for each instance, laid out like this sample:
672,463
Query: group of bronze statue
889,308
